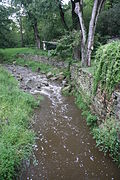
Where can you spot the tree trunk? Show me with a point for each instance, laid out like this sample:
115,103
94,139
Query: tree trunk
36,34
63,17
92,27
76,53
21,32
87,44
79,12
75,19
91,33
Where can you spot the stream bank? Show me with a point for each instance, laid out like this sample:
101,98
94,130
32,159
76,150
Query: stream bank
64,148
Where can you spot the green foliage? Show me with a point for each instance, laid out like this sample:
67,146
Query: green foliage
34,65
80,103
8,33
83,103
107,134
9,55
66,44
107,138
15,138
109,22
107,73
91,120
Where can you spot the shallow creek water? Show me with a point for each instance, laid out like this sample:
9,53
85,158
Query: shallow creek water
64,147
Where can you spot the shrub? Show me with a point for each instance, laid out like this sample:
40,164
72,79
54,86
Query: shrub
107,138
91,119
66,45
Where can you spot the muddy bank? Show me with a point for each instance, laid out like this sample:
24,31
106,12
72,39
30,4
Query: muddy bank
64,148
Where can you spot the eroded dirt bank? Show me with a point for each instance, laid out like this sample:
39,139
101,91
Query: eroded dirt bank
64,148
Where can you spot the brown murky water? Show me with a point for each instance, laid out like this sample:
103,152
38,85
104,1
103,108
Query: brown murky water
65,149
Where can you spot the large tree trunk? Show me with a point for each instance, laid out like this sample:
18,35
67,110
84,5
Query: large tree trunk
91,33
75,19
34,24
36,34
79,12
21,32
87,44
92,27
63,17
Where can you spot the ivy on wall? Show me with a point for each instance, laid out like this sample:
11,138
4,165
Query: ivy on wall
107,73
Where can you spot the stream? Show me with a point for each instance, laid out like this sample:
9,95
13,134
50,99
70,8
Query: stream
64,149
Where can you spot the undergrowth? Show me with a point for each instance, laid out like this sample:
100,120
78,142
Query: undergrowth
84,104
106,134
107,138
15,137
107,74
66,45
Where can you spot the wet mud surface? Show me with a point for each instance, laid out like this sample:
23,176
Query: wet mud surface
64,147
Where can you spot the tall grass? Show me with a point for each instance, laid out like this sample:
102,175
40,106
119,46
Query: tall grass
11,52
16,138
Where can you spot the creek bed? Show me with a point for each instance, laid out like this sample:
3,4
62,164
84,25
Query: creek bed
64,147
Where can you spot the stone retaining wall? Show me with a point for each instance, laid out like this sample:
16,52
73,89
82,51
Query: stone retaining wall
83,80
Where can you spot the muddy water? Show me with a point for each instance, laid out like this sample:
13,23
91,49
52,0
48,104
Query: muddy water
64,147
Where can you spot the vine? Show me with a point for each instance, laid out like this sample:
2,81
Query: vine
107,74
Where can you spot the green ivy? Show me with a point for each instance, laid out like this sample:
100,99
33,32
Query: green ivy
107,73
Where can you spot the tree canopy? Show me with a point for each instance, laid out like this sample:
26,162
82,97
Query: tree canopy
28,23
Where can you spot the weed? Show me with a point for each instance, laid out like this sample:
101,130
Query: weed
15,138
107,138
106,135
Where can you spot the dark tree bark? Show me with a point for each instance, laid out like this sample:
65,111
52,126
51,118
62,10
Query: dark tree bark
36,34
63,17
21,32
75,19
35,29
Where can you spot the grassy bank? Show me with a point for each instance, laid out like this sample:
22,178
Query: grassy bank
15,137
12,52
8,56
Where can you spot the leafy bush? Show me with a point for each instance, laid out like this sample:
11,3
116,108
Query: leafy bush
66,44
15,138
91,119
107,138
107,74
